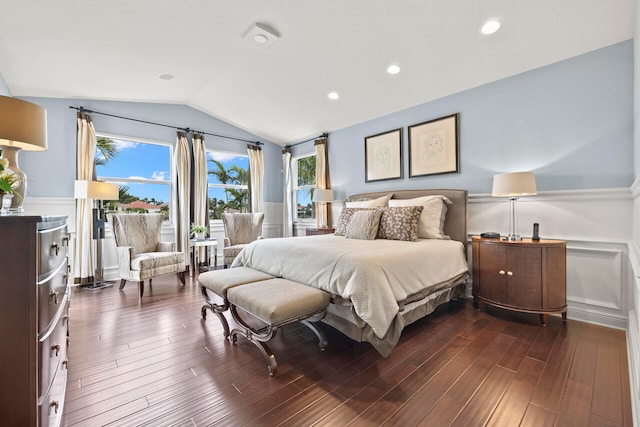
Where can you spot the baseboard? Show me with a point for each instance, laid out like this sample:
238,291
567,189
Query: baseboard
633,354
590,316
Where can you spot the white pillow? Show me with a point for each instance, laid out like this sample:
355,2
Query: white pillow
380,202
431,225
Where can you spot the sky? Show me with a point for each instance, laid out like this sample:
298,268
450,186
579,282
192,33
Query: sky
137,160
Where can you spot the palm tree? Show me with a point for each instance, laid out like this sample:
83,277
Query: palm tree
221,173
108,151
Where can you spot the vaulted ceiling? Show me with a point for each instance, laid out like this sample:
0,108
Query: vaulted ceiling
117,49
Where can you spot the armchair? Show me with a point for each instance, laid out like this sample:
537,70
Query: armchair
240,229
141,255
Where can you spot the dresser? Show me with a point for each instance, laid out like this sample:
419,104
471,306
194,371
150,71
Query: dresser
528,275
34,303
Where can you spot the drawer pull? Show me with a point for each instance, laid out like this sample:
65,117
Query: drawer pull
54,295
65,240
56,348
65,319
55,406
509,273
65,363
501,272
55,249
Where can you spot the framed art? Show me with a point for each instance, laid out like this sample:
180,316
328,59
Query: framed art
383,156
433,147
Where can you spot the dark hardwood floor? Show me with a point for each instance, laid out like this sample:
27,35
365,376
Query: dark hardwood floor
158,363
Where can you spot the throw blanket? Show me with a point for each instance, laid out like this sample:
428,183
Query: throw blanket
375,275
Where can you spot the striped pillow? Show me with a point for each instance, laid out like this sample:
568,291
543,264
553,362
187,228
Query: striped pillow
364,225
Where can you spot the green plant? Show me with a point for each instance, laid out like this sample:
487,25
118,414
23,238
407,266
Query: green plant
7,180
195,228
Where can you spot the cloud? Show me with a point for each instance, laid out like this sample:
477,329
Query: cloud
123,144
160,175
223,157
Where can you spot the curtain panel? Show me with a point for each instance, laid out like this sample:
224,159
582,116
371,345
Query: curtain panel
322,180
256,174
83,254
182,194
287,220
200,186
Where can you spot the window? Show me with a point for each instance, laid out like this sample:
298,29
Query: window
141,168
228,178
304,183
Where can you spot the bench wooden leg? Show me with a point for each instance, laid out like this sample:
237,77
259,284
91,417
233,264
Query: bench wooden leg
216,309
310,323
258,338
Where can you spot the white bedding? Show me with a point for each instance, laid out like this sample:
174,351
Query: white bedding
375,275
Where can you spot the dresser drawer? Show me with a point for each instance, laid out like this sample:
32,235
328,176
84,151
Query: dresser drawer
50,407
50,296
53,350
53,249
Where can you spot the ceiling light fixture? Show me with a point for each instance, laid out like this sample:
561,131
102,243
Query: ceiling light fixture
333,95
393,69
165,77
491,26
261,35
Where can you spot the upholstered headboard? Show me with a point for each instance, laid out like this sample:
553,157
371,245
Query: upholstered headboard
455,225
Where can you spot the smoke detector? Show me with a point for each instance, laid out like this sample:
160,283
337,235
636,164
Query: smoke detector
261,35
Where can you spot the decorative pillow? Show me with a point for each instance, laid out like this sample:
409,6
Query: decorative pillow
373,203
431,225
364,224
345,219
400,223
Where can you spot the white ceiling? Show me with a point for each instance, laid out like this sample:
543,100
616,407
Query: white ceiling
115,50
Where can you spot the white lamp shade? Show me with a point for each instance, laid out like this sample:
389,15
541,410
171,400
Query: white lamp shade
22,124
321,195
95,190
514,184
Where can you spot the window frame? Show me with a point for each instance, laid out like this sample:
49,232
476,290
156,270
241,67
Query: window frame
119,180
296,188
223,186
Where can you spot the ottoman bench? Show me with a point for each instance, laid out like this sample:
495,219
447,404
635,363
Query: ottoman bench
219,282
276,302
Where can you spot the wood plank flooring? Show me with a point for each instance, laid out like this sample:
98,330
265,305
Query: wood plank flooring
158,363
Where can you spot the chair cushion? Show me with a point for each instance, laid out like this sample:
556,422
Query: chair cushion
278,300
152,260
220,281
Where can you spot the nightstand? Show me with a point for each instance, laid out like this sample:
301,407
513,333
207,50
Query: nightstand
528,275
317,231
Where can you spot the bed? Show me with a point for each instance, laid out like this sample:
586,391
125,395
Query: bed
377,286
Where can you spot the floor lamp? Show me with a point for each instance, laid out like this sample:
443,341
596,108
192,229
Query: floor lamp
23,126
97,191
323,197
514,185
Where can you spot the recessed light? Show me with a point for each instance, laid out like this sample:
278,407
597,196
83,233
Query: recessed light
165,77
261,35
260,38
393,69
491,26
333,95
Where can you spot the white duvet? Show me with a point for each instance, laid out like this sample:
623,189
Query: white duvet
373,274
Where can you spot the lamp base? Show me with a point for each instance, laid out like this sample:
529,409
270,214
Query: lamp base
96,286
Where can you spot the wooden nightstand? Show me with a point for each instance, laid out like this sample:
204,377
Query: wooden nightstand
317,231
527,276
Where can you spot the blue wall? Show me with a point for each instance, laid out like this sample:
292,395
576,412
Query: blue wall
51,173
570,122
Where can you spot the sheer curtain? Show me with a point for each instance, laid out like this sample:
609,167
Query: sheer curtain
181,194
200,187
83,265
256,174
287,220
322,180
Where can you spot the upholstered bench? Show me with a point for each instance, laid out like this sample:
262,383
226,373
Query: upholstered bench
276,302
219,282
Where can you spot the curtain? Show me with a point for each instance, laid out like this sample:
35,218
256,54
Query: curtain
256,174
200,188
287,220
181,193
322,180
83,254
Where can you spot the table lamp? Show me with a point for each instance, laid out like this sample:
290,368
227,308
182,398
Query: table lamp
514,185
323,197
23,126
97,190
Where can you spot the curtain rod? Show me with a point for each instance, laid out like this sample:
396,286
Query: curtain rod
187,130
324,135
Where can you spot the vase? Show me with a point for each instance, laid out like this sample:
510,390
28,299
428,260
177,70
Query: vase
201,236
6,203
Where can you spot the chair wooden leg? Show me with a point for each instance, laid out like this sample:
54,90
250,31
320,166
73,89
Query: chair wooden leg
150,280
181,277
122,283
141,288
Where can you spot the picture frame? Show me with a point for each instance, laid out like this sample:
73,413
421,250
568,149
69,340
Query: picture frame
383,156
434,147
